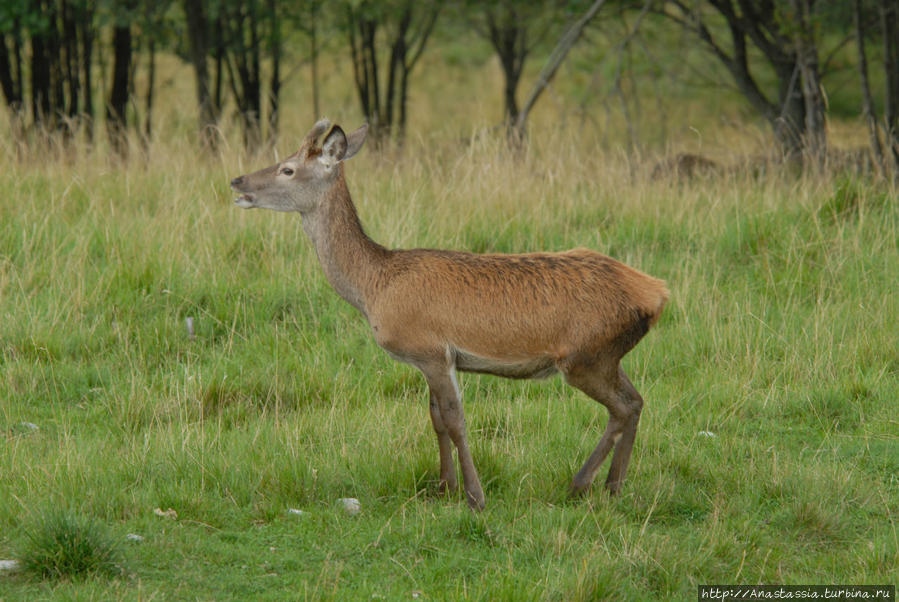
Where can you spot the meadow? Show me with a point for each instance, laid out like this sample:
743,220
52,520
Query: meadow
768,450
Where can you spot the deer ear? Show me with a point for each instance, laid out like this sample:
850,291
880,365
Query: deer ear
355,140
334,147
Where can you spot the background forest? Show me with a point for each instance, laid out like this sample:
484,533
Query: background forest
67,66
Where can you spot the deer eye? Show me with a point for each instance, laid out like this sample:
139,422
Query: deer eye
287,171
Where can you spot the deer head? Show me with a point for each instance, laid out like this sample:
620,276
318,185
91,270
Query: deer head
299,182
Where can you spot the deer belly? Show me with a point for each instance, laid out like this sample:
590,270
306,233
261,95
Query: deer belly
533,367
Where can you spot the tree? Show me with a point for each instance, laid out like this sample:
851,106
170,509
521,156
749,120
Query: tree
880,18
785,36
309,21
407,25
198,22
120,91
868,110
889,18
565,43
514,28
45,50
252,31
154,29
11,77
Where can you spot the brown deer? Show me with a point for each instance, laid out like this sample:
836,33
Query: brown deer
519,316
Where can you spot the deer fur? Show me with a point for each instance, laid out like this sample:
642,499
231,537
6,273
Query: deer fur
518,316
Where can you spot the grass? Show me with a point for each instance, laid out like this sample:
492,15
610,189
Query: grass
780,339
59,544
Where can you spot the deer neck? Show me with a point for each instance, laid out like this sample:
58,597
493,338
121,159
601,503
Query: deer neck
350,259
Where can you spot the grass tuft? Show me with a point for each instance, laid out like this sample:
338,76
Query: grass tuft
60,544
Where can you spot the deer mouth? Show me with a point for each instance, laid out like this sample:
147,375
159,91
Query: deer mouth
247,201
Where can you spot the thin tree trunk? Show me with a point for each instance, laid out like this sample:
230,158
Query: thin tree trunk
195,14
404,101
7,82
370,60
275,84
85,26
889,12
510,86
566,43
807,60
219,49
507,36
255,84
313,54
789,122
70,64
867,100
40,82
116,119
151,83
57,69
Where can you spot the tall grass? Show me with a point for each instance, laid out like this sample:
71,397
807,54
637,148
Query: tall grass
780,340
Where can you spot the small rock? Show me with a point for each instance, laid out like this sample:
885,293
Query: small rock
134,537
350,504
9,565
708,434
296,511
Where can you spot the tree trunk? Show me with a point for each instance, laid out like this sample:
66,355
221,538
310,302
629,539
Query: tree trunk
8,83
889,12
868,110
313,59
151,84
807,60
243,62
219,50
510,87
116,113
85,27
361,34
195,13
566,43
370,62
57,71
507,36
40,81
70,64
275,85
404,101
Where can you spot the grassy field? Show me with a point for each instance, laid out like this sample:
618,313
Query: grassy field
768,451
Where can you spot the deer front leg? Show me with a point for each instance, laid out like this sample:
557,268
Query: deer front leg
448,481
442,382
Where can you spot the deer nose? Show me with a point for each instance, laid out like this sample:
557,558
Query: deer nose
236,181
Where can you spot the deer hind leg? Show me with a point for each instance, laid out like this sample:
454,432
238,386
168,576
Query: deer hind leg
444,389
622,454
609,386
448,480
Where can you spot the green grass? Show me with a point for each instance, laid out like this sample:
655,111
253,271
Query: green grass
61,545
780,338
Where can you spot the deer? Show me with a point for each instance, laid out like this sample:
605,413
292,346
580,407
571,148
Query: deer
519,316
